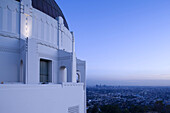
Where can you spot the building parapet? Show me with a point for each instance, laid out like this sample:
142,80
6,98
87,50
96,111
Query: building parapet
19,84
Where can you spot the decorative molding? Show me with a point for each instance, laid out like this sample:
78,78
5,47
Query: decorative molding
12,8
10,5
8,34
72,84
43,55
47,44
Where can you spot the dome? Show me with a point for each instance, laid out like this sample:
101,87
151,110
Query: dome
50,8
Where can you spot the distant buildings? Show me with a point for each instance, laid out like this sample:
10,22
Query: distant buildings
127,97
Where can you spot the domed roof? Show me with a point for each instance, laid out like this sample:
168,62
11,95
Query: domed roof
50,8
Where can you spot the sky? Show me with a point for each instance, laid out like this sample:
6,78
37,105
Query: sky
124,42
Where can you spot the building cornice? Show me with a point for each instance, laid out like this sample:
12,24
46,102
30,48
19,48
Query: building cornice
9,34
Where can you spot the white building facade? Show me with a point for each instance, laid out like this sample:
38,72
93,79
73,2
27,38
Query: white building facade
39,71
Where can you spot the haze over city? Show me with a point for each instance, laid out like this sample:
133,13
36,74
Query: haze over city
123,42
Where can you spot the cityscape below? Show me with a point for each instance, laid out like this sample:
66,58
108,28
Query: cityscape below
128,99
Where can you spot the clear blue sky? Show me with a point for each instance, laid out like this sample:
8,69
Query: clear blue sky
122,40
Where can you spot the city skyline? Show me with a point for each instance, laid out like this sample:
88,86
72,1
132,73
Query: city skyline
122,40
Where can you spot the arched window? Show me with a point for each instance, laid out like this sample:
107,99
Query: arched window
78,76
17,0
63,74
21,72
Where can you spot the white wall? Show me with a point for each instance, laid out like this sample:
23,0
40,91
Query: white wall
81,67
49,30
48,53
38,50
9,41
65,59
44,28
41,98
9,18
45,36
31,36
9,59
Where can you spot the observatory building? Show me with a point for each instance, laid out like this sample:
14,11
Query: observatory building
39,71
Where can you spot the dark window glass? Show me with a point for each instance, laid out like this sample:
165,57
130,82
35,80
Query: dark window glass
40,6
44,71
54,12
45,8
34,3
50,10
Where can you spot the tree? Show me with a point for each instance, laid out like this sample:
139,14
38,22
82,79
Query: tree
159,107
110,109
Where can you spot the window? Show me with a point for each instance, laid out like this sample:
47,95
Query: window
78,75
45,71
22,77
17,0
